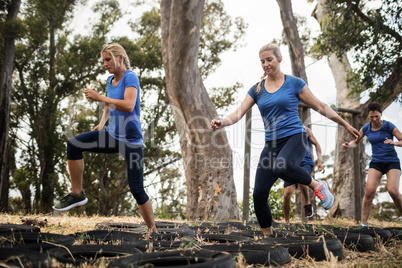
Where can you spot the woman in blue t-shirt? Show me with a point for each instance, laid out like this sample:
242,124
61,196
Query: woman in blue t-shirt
123,134
384,159
278,96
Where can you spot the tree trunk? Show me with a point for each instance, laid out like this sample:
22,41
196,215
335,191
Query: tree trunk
349,167
5,93
296,52
207,157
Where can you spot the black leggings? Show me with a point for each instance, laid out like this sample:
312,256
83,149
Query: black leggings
279,159
101,142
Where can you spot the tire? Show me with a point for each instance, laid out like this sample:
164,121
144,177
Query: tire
384,235
395,232
360,242
184,243
177,258
8,228
172,233
167,224
222,238
308,245
209,229
255,254
36,241
12,257
89,253
104,236
117,225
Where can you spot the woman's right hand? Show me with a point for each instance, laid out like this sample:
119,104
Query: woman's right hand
98,127
345,145
216,124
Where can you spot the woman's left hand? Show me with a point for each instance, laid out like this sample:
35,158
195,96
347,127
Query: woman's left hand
91,94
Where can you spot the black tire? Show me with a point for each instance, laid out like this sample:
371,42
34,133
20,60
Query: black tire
177,258
167,224
210,229
222,238
36,241
8,228
184,243
116,225
395,232
89,253
308,245
13,257
172,233
254,254
104,236
384,235
360,242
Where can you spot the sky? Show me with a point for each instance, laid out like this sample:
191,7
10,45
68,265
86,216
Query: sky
243,66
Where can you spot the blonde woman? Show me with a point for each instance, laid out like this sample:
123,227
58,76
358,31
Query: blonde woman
123,134
277,96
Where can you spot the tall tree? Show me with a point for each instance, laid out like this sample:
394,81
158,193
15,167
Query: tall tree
50,68
8,15
207,157
296,51
351,27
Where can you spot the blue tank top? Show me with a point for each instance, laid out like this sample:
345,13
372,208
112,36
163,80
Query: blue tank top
381,152
124,126
279,109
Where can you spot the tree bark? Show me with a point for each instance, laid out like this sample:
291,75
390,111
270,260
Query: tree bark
5,93
207,157
296,52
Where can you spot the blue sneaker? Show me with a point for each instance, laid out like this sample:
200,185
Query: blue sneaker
362,226
323,193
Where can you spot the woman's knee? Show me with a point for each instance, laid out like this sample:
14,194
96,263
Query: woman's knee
73,152
140,196
394,193
282,168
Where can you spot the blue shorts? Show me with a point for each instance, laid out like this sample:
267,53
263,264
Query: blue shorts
384,167
307,167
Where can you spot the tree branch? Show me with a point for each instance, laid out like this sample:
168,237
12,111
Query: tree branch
364,17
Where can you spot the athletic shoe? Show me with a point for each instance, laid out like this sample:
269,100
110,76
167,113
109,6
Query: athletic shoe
308,211
323,193
361,226
69,201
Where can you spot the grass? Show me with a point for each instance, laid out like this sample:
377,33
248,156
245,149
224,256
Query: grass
388,254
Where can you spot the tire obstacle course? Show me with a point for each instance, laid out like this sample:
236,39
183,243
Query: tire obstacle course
195,244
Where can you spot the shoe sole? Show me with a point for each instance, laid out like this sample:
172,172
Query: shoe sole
80,203
332,202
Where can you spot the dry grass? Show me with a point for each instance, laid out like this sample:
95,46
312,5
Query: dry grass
387,254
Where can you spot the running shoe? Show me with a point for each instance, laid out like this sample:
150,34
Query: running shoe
69,201
362,226
308,211
323,193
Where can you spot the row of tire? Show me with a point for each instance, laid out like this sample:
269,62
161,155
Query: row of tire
202,244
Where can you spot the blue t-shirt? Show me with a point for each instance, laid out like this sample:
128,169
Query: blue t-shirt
279,109
307,160
124,126
381,152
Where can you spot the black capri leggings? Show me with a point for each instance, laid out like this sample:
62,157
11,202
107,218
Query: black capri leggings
99,141
279,159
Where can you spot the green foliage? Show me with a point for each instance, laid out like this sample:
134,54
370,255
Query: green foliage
275,200
371,36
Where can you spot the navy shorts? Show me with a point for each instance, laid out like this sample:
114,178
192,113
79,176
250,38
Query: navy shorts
384,167
307,167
